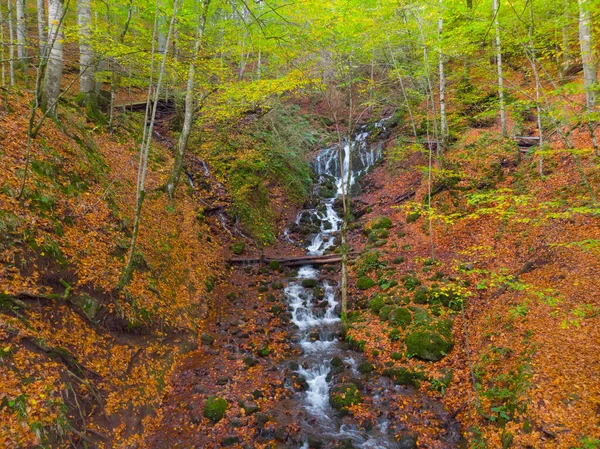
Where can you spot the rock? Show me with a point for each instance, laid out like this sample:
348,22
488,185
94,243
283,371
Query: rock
377,303
314,442
430,341
412,217
318,293
250,407
195,416
400,376
257,394
421,295
420,314
230,440
236,422
277,286
198,389
263,351
207,339
407,441
410,282
249,361
261,419
385,312
274,265
223,380
380,222
87,304
344,396
310,283
215,408
364,283
365,368
401,317
263,289
238,248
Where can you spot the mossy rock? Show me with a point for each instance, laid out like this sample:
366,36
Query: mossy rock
396,356
398,260
395,335
249,361
310,283
378,234
385,312
364,283
263,351
410,282
318,293
401,317
215,408
381,222
412,217
380,243
421,295
420,314
401,376
376,303
263,288
344,396
365,368
274,265
447,297
430,341
277,285
238,248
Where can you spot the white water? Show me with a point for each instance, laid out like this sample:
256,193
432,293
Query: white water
319,318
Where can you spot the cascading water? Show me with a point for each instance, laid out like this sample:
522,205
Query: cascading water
315,310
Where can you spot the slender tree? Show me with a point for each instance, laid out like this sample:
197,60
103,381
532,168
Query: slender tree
41,25
442,79
496,10
11,44
189,103
590,66
21,32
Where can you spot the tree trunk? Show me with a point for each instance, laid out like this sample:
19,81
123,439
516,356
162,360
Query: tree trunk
566,50
21,32
54,67
443,119
41,24
87,83
145,146
496,7
11,44
2,53
590,78
189,106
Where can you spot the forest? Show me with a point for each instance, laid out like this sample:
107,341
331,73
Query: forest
300,224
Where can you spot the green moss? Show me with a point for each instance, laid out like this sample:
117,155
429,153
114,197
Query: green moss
412,217
401,317
215,408
378,234
420,314
381,222
421,295
263,351
376,303
344,396
274,265
310,283
365,368
238,247
401,376
385,312
364,283
430,341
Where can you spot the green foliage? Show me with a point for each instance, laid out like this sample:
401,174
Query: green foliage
344,396
365,283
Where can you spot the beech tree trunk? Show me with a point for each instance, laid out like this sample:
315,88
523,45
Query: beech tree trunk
54,67
443,119
41,24
590,77
21,32
2,52
87,83
189,105
496,7
11,44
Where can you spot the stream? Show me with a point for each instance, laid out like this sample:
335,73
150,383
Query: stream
313,301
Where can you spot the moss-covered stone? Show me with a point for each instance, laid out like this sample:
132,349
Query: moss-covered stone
385,311
365,368
274,265
277,285
376,303
364,283
430,341
263,351
215,408
401,376
401,317
344,396
446,296
421,295
318,293
263,288
410,282
310,283
420,314
238,247
380,222
398,260
378,234
412,217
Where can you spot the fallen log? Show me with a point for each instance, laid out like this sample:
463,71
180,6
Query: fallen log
526,141
287,261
